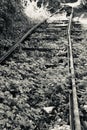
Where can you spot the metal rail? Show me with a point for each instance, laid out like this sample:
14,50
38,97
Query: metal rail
76,118
12,49
19,42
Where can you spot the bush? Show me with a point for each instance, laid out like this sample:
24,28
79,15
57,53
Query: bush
12,18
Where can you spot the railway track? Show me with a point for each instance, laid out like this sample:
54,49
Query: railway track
74,112
48,53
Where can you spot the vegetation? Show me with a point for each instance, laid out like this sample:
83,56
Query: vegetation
31,80
12,19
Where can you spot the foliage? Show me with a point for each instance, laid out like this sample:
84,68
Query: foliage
12,19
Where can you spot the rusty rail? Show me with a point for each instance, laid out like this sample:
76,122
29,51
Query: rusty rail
76,118
19,42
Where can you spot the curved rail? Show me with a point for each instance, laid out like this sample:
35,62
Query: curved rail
76,118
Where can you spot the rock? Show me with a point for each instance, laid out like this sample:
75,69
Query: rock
85,107
48,109
63,127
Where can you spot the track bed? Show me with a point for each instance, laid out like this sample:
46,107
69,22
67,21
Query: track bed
36,78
